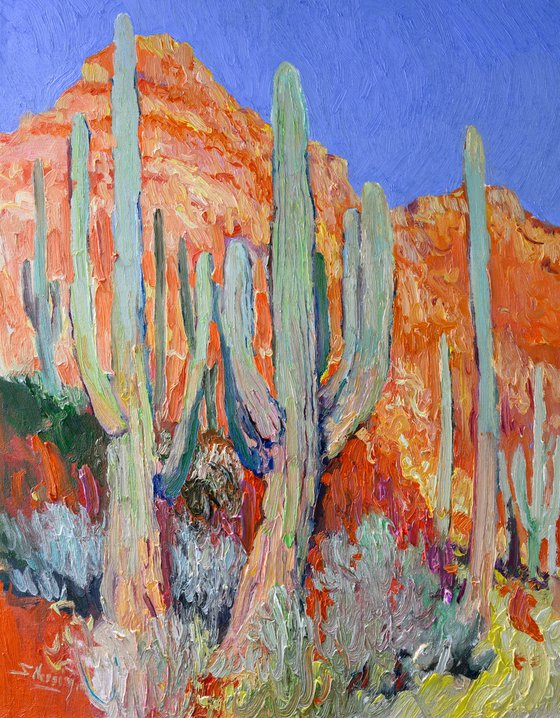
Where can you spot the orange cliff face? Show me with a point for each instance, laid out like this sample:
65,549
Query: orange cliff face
432,296
206,162
207,165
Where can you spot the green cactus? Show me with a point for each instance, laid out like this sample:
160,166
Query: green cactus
122,403
538,518
300,322
96,382
280,437
41,298
186,297
370,364
483,534
445,461
350,309
293,305
253,417
183,446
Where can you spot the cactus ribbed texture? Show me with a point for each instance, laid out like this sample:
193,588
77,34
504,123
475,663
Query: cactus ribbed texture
95,380
186,297
178,463
483,534
368,373
350,308
538,516
41,298
253,417
445,460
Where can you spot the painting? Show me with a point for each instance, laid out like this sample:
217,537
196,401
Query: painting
279,359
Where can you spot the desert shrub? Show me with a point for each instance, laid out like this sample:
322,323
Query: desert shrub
55,553
383,602
386,630
281,676
131,675
206,565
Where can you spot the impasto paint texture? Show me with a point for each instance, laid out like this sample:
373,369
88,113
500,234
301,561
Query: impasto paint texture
279,428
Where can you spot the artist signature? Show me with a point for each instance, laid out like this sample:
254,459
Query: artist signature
44,679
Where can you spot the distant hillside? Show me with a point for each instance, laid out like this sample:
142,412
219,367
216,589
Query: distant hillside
207,165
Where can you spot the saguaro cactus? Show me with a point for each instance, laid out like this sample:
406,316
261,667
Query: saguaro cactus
445,461
132,575
539,517
293,304
483,535
41,298
298,294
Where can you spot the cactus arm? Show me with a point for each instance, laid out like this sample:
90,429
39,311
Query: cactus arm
555,497
370,367
253,417
160,314
95,380
351,262
445,461
293,307
237,325
322,314
519,476
183,445
42,312
27,293
186,298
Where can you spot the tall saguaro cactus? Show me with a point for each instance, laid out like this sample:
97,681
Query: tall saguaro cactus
131,586
293,304
483,535
349,396
41,298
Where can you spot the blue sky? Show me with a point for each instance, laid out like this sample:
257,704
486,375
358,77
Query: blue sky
390,84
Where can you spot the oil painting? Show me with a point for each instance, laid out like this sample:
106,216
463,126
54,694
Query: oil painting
279,359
